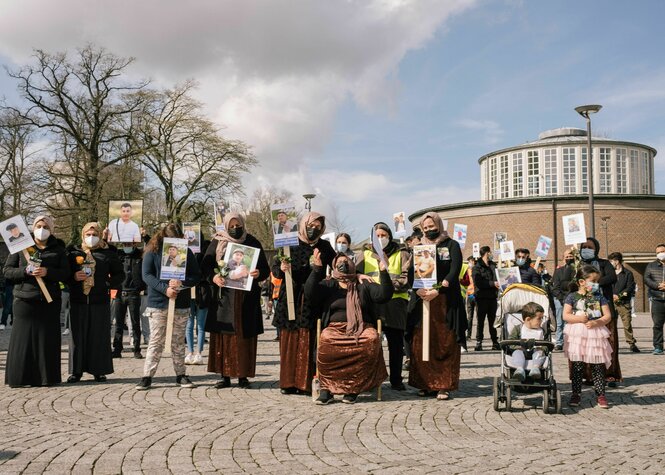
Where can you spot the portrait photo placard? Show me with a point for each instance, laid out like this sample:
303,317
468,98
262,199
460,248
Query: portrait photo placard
543,247
192,232
459,234
424,266
240,260
507,276
284,224
574,231
220,210
125,220
476,250
399,220
174,259
16,234
507,251
499,237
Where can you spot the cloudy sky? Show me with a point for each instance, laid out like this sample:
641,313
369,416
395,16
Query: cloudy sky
384,105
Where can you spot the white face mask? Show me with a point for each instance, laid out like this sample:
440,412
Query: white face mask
91,241
384,242
661,256
42,234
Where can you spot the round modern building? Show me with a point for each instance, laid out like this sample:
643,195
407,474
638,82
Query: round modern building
527,189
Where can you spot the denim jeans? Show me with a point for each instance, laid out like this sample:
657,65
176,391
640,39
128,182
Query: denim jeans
200,315
560,323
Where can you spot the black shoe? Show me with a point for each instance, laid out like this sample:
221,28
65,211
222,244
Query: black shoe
225,382
612,384
634,348
496,346
276,338
398,387
558,348
138,355
478,347
288,390
144,384
74,378
324,398
100,378
116,354
243,383
184,382
349,398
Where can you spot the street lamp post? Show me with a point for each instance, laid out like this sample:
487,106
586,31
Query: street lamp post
586,111
309,197
605,220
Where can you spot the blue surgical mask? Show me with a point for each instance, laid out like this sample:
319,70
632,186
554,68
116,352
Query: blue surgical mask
128,249
342,247
587,254
521,261
592,287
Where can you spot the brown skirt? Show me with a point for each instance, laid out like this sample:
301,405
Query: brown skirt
441,372
296,348
345,366
233,355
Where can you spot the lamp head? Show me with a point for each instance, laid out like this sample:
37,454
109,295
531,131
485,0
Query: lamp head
587,110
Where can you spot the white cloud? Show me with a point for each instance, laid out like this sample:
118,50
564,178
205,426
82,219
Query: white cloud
491,130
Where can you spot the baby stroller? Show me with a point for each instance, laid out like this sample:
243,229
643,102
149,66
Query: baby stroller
512,300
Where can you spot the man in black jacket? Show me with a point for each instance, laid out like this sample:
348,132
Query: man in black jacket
654,278
128,297
484,281
528,274
623,290
563,276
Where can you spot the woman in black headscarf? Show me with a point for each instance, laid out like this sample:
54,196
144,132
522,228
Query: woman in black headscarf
296,338
234,316
448,323
349,358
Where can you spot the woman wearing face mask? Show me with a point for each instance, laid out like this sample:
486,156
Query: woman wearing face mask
343,246
448,322
349,357
296,338
234,316
33,358
393,312
589,255
96,269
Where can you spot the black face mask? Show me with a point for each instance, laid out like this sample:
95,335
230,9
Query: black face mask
235,233
570,261
343,267
432,234
313,233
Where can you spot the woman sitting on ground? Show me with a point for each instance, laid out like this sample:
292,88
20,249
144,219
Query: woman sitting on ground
349,358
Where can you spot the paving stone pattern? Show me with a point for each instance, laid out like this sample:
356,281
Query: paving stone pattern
111,428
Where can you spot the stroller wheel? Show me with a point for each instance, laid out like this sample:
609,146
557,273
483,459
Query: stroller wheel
509,402
495,391
557,404
546,401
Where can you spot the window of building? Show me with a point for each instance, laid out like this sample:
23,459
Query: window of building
644,173
634,172
518,173
605,170
569,169
533,173
584,167
622,185
505,183
493,178
550,165
483,179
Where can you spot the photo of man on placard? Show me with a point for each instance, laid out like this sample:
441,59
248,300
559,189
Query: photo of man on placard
283,224
124,221
15,232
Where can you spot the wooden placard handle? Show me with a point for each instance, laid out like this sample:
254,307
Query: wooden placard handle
426,330
40,281
289,287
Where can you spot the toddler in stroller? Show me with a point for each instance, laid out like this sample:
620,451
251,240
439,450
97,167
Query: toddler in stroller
530,357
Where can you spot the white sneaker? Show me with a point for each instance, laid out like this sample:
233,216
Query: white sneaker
2,327
189,359
197,359
66,332
463,350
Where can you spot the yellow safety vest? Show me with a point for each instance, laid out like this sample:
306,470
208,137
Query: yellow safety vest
465,267
394,269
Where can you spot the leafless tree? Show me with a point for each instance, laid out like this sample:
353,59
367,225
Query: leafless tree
259,222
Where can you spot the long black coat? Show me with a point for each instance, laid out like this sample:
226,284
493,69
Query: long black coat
109,274
222,304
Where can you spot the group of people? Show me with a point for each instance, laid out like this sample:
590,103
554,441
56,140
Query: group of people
348,292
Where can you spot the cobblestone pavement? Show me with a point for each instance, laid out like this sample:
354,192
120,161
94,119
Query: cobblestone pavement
112,428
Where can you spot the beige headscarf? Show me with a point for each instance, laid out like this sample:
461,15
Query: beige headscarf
305,221
50,224
89,282
223,237
354,314
438,222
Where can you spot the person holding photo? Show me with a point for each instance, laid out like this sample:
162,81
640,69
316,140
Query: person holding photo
440,375
96,269
234,316
159,293
487,290
33,357
296,338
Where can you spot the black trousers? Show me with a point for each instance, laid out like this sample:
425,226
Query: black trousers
119,306
486,309
395,338
658,317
